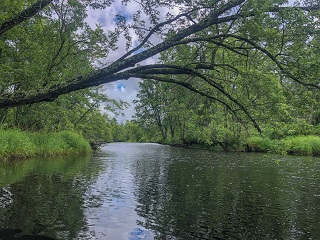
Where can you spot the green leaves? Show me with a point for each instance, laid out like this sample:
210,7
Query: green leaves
249,58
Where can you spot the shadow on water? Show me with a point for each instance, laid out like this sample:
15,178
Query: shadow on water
15,171
11,234
45,198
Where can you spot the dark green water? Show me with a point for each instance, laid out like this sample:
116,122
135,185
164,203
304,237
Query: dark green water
148,191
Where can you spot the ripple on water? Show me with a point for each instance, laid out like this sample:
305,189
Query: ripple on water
149,191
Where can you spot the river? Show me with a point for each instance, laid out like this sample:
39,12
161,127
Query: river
132,191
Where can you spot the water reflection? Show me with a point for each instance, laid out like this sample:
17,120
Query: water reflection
148,191
9,234
200,195
45,197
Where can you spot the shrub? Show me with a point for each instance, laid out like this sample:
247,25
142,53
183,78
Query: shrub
73,142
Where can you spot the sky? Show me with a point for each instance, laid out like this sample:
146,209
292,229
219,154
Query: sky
125,90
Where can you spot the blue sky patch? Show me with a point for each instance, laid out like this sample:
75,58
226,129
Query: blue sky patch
121,87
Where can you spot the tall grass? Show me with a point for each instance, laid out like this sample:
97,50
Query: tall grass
301,145
15,144
260,144
19,144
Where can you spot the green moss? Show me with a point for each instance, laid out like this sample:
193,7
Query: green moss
19,144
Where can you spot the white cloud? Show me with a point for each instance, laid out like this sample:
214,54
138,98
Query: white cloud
106,18
125,90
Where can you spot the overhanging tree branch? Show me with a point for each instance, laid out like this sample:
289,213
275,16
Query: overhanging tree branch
172,69
24,15
151,32
184,84
189,87
274,59
256,46
117,70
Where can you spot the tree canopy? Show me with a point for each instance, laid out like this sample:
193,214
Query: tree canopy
212,48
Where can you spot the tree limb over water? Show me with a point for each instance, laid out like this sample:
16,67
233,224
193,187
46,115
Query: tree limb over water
211,25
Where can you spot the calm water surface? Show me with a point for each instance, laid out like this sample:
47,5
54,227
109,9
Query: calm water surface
131,191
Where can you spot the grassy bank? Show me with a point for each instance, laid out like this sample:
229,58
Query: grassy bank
301,145
18,144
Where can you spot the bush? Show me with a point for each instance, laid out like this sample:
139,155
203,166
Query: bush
258,144
73,142
279,130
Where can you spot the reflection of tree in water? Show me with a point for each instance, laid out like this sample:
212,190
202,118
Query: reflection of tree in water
219,199
50,200
168,202
47,205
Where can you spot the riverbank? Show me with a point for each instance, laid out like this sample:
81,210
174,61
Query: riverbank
15,144
297,145
294,145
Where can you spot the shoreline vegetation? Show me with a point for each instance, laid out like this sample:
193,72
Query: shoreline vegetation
297,145
294,145
16,144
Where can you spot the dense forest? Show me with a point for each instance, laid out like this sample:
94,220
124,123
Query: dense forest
234,74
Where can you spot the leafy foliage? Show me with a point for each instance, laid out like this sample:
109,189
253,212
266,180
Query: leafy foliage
62,46
19,144
250,66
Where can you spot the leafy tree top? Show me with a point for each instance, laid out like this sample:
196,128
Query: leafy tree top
270,30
